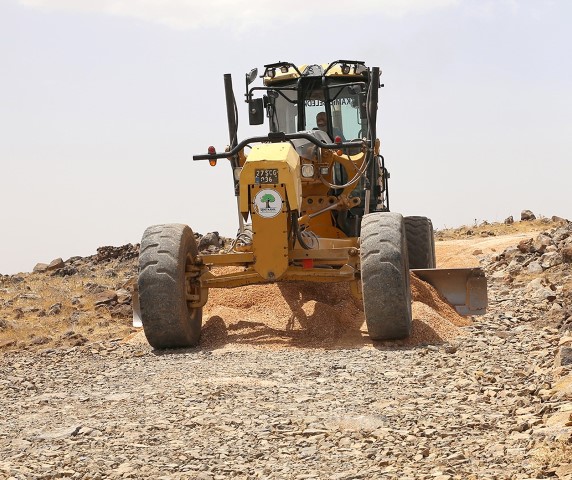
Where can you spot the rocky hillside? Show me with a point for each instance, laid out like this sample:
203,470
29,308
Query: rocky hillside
75,301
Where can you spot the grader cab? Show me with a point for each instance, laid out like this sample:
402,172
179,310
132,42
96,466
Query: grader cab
313,205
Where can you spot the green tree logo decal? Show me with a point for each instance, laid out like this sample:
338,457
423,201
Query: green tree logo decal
268,198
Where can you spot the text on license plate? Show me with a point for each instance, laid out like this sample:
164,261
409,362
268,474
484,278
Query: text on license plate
265,175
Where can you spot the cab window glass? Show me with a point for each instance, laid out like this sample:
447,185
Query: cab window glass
344,107
344,104
284,114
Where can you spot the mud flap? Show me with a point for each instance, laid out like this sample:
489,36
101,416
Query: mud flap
464,288
137,322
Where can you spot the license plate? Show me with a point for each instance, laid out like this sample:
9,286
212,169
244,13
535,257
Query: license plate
266,175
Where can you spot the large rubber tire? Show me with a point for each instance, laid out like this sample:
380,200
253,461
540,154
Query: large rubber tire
385,276
420,242
167,320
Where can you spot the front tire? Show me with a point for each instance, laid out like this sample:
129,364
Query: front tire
167,319
385,276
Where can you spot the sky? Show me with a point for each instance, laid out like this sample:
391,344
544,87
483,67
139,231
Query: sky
104,102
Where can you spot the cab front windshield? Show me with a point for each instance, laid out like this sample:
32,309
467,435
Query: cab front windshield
344,118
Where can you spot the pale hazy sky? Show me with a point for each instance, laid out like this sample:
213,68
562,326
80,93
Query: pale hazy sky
104,102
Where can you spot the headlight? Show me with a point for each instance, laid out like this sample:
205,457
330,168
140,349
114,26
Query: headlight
308,171
236,172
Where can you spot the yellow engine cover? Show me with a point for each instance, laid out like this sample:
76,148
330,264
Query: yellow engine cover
272,156
270,188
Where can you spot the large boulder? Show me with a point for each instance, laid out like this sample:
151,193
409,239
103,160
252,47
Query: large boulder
527,215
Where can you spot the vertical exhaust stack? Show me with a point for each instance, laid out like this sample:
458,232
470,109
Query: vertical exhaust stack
372,104
232,118
372,98
231,111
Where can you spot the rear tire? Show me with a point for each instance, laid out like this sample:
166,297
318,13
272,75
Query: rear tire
420,242
167,319
385,276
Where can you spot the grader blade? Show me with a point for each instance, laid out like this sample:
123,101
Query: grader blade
464,288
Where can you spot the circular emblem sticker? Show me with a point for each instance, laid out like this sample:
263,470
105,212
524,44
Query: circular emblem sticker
267,203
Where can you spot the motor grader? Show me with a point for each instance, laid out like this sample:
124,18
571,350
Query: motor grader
313,205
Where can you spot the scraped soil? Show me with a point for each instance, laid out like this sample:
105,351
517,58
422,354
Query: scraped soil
311,315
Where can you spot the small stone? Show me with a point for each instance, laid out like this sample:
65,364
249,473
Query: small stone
525,246
41,340
527,215
55,264
550,259
123,296
456,456
557,219
60,433
450,349
308,451
41,268
7,343
564,471
211,239
105,297
541,243
563,357
534,267
54,309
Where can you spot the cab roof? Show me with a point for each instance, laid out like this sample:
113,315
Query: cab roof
282,71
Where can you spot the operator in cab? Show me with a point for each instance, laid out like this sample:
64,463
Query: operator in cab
322,124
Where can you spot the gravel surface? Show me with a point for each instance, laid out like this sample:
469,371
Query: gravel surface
469,409
287,385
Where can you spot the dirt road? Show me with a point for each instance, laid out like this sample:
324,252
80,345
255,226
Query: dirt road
262,403
463,253
467,410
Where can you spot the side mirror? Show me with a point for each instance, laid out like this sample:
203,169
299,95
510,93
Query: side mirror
256,111
250,77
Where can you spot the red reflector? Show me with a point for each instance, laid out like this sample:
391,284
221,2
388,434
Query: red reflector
308,263
211,150
338,139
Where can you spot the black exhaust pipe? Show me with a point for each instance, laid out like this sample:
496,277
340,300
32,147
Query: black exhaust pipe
231,111
232,118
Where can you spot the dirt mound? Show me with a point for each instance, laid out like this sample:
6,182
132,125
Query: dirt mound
305,314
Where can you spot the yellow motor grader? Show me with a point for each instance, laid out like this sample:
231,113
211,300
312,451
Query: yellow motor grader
313,205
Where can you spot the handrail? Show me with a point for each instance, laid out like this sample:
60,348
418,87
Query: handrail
276,138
